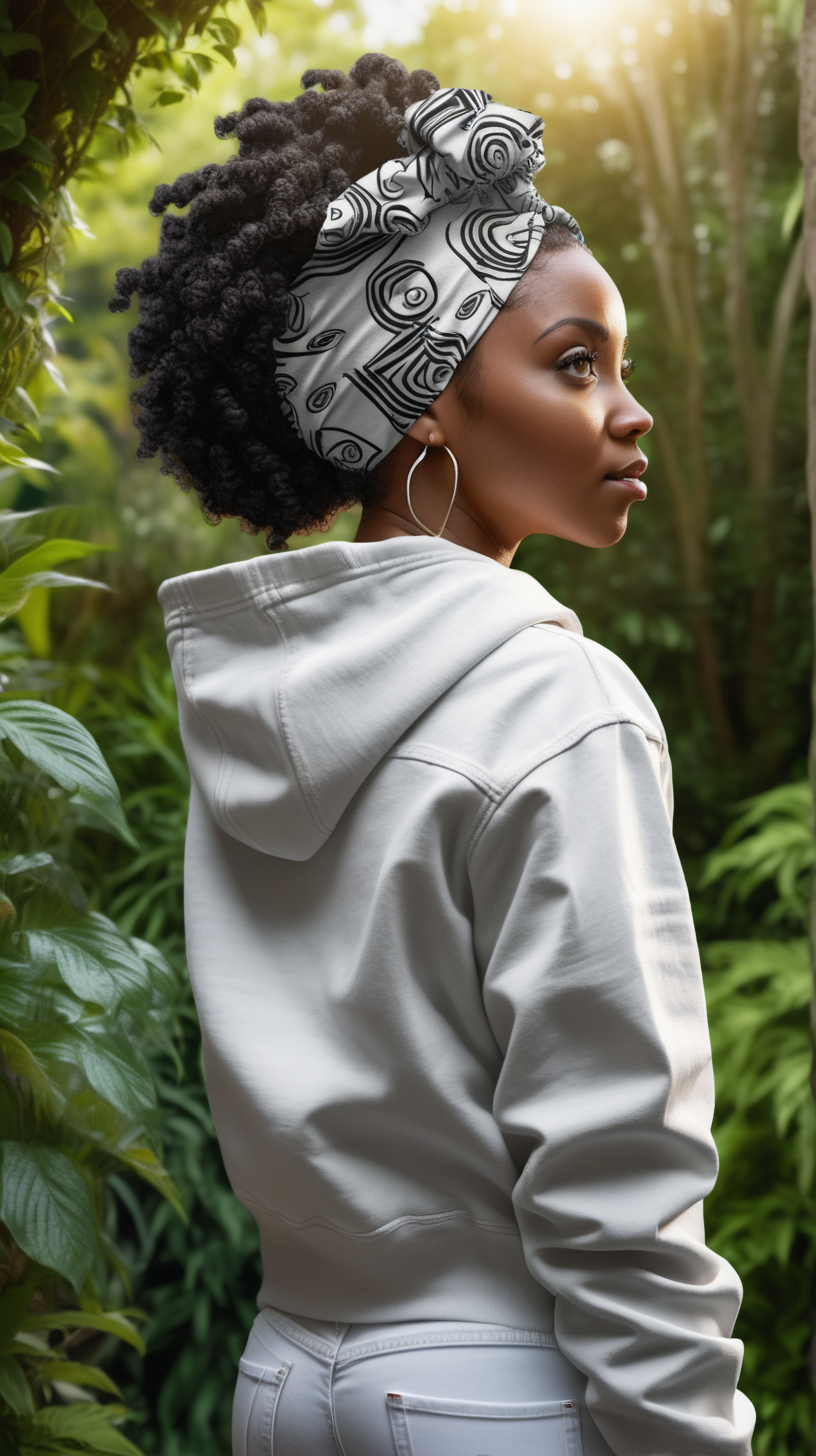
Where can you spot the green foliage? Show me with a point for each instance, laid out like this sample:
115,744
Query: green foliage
46,1205
770,843
82,1008
66,70
197,1282
762,1214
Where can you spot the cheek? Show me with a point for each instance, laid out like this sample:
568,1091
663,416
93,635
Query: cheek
538,417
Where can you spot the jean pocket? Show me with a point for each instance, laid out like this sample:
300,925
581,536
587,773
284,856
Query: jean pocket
424,1425
253,1411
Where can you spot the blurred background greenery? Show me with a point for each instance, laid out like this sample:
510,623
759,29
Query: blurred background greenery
671,135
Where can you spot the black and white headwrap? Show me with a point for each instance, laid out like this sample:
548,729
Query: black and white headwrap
412,264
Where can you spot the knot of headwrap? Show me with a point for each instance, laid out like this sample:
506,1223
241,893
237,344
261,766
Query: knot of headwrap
411,266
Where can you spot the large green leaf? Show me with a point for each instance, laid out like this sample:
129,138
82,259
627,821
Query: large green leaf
15,592
78,1427
108,1322
18,95
14,1388
21,1062
167,26
116,1072
50,554
48,1209
89,14
34,988
11,454
113,1067
78,1374
93,959
144,1162
12,130
161,972
24,40
61,747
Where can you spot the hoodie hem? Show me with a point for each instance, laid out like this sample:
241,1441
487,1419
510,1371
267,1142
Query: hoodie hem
417,1220
452,1270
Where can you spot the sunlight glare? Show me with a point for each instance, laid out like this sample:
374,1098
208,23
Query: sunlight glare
589,23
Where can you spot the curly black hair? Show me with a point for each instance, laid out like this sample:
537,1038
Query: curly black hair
215,296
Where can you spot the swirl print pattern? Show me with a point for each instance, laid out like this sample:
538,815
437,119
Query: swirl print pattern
411,266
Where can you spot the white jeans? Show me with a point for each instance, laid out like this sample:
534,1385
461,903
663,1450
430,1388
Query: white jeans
432,1388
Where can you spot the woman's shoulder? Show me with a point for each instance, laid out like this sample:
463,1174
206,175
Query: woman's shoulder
538,693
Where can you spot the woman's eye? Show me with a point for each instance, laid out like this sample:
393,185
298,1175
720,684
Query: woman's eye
579,365
627,368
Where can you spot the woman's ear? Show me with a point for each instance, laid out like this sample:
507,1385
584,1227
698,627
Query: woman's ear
427,429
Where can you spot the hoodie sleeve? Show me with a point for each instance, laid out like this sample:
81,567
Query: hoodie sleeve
593,988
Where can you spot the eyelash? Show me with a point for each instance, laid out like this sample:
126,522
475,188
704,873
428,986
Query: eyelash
583,356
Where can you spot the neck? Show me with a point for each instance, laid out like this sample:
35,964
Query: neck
430,493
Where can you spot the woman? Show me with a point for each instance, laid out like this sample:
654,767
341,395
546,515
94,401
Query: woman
441,945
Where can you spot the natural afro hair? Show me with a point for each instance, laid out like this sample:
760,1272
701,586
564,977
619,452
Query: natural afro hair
215,296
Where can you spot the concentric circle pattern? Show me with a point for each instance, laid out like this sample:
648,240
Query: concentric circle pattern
411,266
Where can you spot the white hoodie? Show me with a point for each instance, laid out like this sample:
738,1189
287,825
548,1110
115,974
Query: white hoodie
441,947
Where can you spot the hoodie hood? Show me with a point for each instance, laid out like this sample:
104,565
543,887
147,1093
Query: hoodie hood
296,674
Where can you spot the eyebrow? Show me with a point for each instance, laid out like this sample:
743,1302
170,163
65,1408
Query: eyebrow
599,331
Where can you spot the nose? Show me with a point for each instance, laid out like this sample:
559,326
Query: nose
629,419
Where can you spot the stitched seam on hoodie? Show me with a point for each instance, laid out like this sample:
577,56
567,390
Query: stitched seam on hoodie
440,758
658,736
282,593
301,773
366,568
576,735
496,792
588,658
225,765
453,1215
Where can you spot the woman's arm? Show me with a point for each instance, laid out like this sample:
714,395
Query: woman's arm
592,984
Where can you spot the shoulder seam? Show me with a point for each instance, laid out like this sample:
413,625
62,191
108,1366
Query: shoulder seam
441,758
577,733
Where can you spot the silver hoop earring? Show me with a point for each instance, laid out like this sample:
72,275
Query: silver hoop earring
417,462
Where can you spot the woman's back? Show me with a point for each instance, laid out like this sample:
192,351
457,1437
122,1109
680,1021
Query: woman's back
439,939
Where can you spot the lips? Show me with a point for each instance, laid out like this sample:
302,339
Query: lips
632,471
629,476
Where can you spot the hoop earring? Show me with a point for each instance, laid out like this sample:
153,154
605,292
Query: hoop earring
417,462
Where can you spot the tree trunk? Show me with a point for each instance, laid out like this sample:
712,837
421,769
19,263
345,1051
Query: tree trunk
807,147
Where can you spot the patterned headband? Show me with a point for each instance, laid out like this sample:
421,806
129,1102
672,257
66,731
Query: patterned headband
411,266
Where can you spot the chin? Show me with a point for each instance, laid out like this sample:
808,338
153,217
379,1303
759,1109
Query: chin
617,529
601,537
596,536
